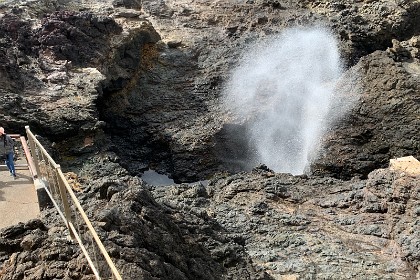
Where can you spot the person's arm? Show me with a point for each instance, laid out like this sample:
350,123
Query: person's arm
10,142
2,146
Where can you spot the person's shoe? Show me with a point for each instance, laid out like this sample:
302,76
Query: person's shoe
14,176
11,174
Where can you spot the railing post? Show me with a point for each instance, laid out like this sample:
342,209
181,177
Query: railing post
44,199
64,199
33,149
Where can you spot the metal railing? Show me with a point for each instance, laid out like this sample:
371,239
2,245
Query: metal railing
68,206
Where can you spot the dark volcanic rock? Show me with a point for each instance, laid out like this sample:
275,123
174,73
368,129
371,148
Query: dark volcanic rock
384,124
120,86
82,38
366,26
311,228
257,225
147,240
146,83
46,84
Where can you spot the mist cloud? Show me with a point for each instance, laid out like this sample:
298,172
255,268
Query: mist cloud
283,89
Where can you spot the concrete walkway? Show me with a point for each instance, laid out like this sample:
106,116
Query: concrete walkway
18,198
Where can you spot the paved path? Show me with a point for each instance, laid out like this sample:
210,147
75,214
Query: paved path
18,198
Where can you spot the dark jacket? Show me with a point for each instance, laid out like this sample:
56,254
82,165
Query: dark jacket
6,144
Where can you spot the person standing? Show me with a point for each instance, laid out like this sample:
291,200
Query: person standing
7,150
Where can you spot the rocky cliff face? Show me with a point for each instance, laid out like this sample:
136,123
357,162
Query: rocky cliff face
124,86
150,79
383,124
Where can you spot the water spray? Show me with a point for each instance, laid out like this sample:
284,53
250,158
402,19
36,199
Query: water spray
283,89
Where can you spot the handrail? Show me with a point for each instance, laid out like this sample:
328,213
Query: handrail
59,190
88,223
32,137
28,156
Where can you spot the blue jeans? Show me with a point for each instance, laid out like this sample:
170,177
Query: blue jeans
10,164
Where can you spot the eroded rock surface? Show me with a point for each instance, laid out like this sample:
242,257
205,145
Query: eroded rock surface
313,227
384,122
256,225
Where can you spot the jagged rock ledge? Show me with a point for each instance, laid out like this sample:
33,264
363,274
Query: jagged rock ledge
257,225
